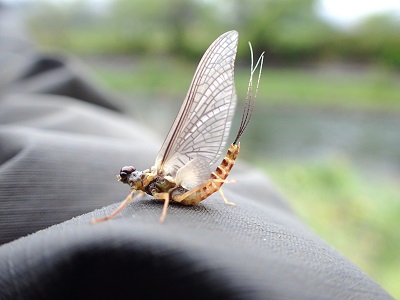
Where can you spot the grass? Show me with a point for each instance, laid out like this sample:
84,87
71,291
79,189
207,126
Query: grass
359,216
372,89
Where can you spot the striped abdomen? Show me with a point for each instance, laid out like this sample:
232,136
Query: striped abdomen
214,183
222,171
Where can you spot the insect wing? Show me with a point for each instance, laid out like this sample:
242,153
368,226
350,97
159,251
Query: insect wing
202,125
193,173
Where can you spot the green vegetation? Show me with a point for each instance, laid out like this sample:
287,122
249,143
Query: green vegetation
357,216
290,31
359,89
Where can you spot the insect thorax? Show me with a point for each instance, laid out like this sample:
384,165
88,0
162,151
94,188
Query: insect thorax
160,184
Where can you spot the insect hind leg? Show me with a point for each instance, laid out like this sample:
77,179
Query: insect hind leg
225,199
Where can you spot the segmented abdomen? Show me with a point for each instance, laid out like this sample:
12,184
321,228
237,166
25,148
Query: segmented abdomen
222,171
212,185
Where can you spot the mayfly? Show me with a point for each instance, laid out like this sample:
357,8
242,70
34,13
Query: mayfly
181,172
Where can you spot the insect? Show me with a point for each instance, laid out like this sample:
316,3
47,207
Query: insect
181,172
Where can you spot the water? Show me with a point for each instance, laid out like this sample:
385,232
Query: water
369,140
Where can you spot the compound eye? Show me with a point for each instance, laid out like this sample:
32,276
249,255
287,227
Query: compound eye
126,170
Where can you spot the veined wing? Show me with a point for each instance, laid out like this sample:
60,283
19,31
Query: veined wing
202,125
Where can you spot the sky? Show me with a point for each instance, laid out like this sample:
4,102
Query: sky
347,12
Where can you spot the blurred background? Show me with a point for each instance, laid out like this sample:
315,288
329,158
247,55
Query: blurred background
327,123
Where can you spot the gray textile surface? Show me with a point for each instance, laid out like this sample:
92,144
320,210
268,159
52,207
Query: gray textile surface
62,141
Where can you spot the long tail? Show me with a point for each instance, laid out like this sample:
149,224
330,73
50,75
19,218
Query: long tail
250,98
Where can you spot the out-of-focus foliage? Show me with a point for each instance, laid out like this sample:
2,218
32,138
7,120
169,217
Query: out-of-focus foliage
290,31
351,215
363,89
379,36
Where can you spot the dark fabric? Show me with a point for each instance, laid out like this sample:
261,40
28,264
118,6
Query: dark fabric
62,140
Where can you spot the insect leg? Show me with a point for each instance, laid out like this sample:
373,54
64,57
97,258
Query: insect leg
226,200
165,197
115,212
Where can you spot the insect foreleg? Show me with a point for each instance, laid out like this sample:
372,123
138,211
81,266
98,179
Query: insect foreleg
165,197
120,207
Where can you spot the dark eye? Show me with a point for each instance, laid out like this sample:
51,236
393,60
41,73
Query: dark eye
127,169
125,172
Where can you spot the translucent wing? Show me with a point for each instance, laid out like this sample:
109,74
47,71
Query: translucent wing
193,173
204,120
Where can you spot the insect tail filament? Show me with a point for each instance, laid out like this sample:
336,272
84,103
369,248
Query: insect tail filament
250,97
